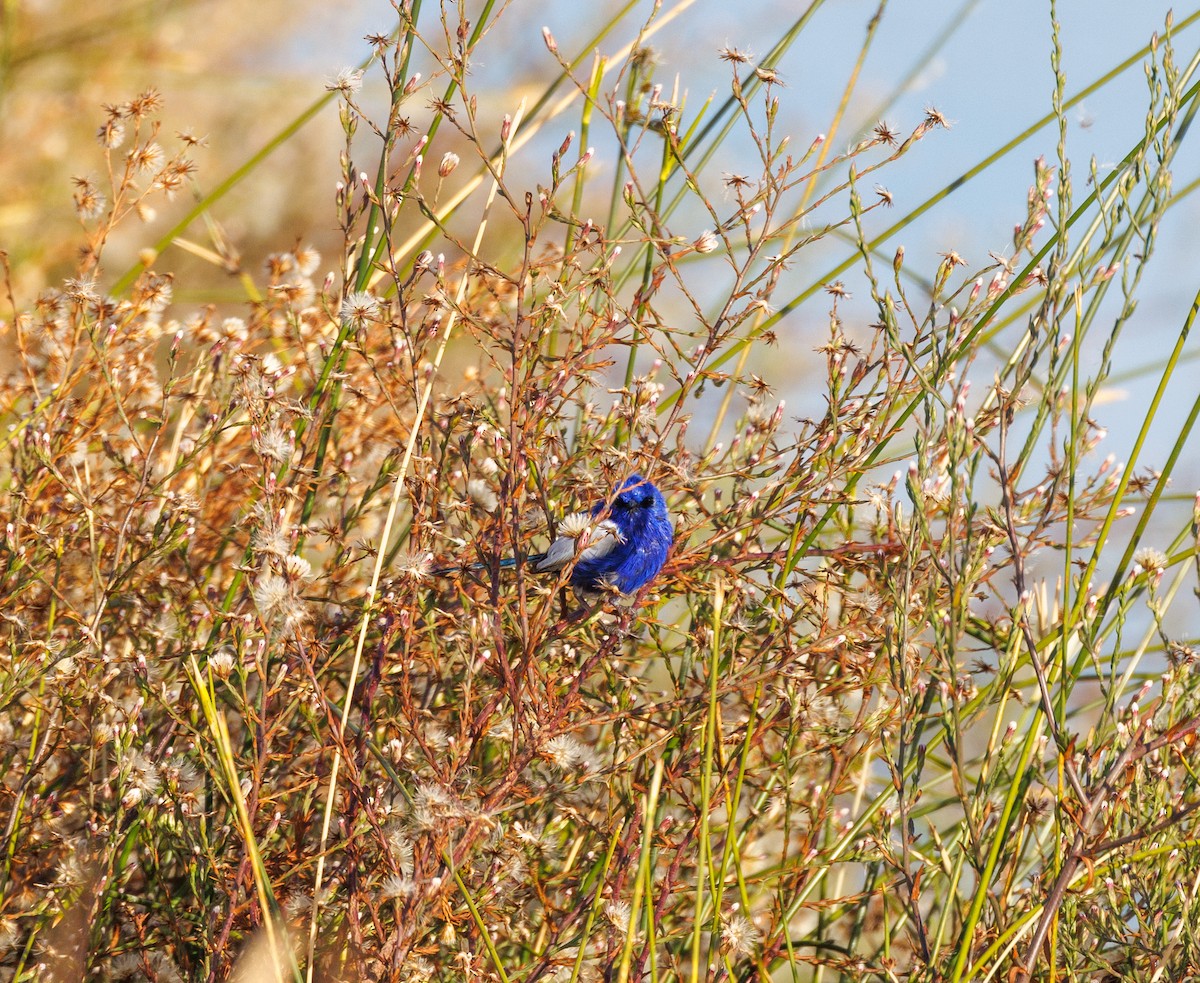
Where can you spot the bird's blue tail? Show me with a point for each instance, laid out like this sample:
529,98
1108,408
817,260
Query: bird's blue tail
506,563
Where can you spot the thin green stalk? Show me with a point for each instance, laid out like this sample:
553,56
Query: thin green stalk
1016,793
703,846
643,878
1160,485
585,936
480,923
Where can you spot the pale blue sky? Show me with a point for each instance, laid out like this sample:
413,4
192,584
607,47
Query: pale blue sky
991,80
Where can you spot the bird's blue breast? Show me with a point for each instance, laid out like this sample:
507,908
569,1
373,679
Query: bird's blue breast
646,535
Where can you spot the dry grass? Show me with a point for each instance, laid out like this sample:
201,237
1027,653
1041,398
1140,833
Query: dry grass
906,702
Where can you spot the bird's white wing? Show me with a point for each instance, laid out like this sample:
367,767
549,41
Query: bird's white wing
602,539
558,555
591,543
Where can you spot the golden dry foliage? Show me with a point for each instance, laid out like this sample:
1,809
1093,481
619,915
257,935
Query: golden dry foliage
255,711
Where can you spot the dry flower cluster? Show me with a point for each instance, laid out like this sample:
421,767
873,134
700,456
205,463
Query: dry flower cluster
855,728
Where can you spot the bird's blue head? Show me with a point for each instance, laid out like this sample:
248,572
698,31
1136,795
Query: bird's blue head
636,503
636,492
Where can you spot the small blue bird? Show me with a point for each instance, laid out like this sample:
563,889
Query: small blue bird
622,545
